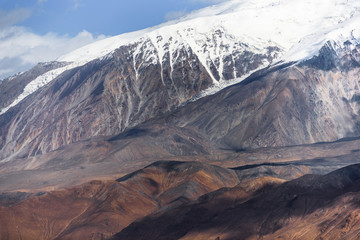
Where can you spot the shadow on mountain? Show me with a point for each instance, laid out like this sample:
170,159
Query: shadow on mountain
98,209
132,133
270,210
264,164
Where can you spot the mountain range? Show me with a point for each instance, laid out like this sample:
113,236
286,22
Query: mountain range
237,121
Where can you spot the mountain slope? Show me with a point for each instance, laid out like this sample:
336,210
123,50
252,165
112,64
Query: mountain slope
316,99
313,101
99,209
159,69
311,207
175,191
127,88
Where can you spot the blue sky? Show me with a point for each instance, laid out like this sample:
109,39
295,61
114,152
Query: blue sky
32,31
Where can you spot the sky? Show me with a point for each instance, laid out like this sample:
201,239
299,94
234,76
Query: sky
33,31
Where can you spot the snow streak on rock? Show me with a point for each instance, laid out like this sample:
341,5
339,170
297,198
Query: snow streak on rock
231,39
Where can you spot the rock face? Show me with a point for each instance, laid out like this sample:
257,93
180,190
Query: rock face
313,101
104,97
158,70
297,104
281,106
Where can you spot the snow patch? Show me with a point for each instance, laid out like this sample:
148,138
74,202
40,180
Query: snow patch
221,85
39,82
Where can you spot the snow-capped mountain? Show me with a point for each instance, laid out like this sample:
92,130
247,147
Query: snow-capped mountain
223,36
117,83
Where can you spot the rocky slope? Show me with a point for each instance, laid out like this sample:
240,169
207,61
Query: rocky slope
312,101
311,207
104,97
99,209
107,158
191,200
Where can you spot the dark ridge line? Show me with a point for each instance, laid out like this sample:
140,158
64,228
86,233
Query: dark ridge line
250,166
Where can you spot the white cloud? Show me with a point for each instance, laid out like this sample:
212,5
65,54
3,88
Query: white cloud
21,49
11,18
174,15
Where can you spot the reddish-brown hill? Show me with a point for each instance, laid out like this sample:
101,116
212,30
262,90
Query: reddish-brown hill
311,207
100,209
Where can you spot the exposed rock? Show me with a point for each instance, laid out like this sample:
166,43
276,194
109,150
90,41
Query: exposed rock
291,106
137,82
310,207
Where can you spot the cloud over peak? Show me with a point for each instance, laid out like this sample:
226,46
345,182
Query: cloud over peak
20,49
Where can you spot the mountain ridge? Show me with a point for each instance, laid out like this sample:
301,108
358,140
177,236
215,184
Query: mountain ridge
239,8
